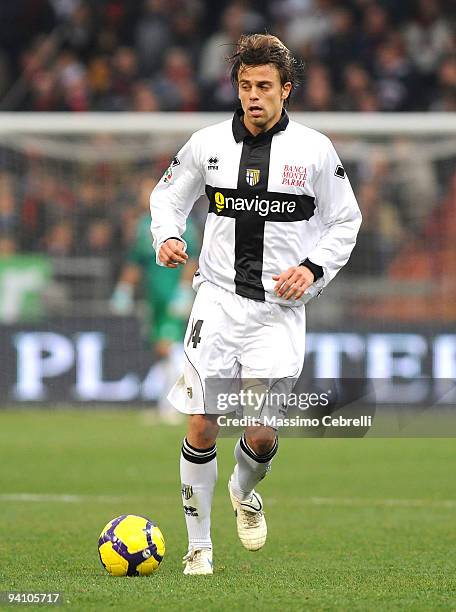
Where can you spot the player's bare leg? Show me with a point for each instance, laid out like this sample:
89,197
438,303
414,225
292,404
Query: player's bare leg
198,470
253,453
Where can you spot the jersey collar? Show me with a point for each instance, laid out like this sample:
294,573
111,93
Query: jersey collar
240,131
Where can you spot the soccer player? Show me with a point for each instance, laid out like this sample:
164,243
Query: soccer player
282,221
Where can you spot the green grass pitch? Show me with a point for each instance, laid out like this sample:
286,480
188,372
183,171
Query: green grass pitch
361,524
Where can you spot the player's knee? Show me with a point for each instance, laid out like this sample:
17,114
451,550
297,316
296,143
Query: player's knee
202,431
262,440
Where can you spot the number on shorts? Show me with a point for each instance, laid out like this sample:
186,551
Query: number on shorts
195,333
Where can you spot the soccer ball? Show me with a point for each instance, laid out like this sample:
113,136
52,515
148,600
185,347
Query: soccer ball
131,545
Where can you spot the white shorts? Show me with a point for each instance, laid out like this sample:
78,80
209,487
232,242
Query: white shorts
232,337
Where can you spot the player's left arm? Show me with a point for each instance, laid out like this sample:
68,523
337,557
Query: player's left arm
292,283
340,214
341,217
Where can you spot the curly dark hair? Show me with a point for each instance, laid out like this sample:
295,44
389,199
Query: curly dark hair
261,49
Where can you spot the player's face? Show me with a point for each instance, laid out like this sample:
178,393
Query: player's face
262,95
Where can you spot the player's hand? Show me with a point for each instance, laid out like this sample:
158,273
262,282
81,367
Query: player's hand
293,282
172,253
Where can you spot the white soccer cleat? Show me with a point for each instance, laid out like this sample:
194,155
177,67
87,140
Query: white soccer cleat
251,523
198,562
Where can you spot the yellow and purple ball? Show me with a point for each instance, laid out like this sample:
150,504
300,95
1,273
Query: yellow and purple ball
131,545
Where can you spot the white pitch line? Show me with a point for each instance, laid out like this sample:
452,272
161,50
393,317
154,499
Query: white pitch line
314,501
55,497
406,503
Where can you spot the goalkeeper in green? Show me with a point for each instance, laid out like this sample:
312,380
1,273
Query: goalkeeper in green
168,297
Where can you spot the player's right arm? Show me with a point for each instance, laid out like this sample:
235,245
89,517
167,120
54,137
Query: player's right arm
171,202
172,253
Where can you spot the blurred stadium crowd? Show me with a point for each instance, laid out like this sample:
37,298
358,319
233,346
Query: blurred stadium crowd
168,55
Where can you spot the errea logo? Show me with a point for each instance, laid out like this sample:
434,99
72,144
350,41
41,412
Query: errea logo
212,162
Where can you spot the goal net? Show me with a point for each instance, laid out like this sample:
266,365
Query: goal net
74,187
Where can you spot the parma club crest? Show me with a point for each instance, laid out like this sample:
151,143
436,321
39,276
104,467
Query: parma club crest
252,176
187,491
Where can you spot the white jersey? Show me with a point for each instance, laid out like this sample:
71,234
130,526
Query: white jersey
276,200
